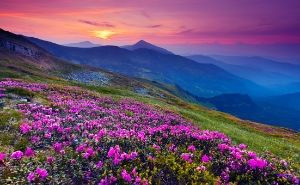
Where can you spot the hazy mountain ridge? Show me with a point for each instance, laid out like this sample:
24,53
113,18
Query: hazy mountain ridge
260,74
204,79
83,44
290,101
245,107
257,62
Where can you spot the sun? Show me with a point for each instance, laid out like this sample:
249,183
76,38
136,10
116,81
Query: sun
104,34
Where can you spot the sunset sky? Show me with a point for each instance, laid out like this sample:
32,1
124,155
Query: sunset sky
171,22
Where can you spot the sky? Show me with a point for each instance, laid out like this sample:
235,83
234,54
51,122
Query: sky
164,22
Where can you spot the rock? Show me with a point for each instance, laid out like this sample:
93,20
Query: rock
88,77
142,91
23,100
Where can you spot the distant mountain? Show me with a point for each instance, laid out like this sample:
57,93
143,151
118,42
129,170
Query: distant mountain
291,101
146,45
243,106
199,79
256,70
84,44
262,63
206,60
288,88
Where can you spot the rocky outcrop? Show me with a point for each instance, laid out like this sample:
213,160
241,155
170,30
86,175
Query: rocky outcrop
18,48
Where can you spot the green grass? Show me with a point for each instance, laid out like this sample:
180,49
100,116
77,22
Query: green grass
8,116
8,74
20,92
108,90
9,128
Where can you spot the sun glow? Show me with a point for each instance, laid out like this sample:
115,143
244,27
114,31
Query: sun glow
104,34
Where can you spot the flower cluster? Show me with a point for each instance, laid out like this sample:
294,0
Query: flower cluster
82,138
39,174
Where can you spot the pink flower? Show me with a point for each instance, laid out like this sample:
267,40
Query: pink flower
112,179
73,161
80,148
2,156
25,128
99,164
257,163
191,148
17,155
172,148
187,157
126,176
222,147
242,146
47,135
31,177
113,151
104,181
86,155
41,172
205,158
116,161
237,155
50,159
29,152
156,147
138,180
296,180
252,154
90,151
133,155
283,162
134,173
35,139
57,147
124,156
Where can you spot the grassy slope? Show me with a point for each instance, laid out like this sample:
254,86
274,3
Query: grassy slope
258,137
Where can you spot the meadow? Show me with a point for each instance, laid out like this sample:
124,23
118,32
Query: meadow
72,133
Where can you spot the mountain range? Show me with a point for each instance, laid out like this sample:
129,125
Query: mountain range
151,72
263,71
203,79
279,110
20,57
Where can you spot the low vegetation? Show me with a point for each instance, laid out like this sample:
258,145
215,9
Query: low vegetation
83,137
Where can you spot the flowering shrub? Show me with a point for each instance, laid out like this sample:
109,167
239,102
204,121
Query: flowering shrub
81,138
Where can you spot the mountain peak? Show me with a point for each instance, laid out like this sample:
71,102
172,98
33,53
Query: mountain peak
86,42
142,44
